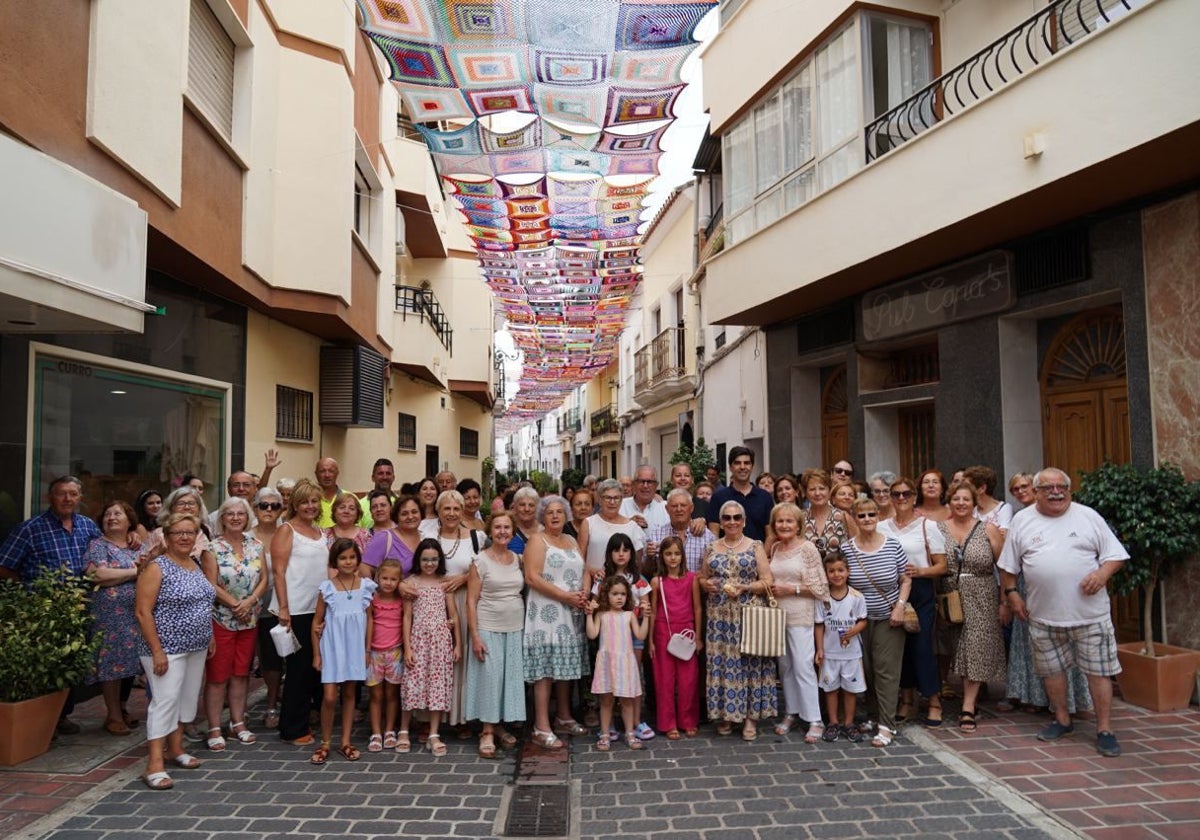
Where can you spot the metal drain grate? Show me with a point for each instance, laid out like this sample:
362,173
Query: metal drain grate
538,811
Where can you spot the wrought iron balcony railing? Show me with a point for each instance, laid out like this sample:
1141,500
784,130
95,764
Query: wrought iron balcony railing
641,368
570,421
413,300
667,360
1053,29
604,421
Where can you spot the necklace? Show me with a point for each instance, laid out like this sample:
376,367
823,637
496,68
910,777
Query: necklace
457,542
337,583
725,541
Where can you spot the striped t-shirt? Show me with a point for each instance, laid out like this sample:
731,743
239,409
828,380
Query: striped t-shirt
886,568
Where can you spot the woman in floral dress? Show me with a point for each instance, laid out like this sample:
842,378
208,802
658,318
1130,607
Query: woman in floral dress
735,572
112,564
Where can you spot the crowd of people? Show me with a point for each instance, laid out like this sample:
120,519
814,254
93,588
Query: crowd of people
613,600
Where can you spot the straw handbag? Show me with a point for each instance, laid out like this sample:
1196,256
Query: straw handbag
763,629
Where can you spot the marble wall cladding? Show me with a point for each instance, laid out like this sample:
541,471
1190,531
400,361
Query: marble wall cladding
1171,253
1183,619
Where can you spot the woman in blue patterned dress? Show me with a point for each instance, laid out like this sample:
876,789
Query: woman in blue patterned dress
112,564
554,647
740,689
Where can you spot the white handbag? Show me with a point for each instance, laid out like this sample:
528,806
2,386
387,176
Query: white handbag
682,645
285,640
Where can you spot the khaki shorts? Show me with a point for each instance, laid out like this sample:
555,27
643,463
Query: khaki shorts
1090,647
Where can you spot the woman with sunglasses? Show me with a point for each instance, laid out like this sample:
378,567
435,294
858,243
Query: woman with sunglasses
876,565
842,472
268,509
926,551
736,572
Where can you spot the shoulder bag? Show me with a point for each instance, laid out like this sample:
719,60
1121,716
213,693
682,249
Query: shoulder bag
764,629
912,624
682,645
949,603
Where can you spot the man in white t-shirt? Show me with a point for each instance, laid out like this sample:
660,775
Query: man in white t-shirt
645,507
1067,553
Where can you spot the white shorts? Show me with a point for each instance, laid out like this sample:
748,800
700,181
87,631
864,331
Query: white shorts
843,674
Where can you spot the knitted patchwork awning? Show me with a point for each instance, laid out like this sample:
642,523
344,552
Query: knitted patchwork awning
551,193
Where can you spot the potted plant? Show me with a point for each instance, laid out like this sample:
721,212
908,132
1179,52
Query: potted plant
1155,513
45,648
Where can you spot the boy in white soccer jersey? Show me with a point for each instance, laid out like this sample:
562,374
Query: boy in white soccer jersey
839,649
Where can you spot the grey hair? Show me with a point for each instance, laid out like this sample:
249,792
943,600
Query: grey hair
284,484
589,479
232,502
265,493
679,491
174,496
449,496
650,467
886,476
735,504
1037,479
608,484
545,504
525,493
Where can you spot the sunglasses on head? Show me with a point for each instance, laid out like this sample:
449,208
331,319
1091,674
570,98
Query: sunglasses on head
270,506
731,517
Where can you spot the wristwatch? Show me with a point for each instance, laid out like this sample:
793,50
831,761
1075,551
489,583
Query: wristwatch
797,589
1010,590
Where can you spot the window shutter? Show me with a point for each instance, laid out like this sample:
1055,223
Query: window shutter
210,68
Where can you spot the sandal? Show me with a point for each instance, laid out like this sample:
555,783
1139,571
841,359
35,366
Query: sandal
271,718
403,745
691,733
464,733
238,730
948,692
785,726
547,740
815,731
215,743
966,721
569,727
672,734
1005,705
603,744
375,743
749,732
117,727
883,737
634,742
389,740
436,745
129,720
904,712
186,761
320,755
930,720
724,728
350,752
487,746
507,739
158,781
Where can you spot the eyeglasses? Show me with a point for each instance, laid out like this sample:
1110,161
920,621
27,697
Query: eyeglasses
902,494
1053,488
610,498
732,517
866,516
270,506
185,535
843,471
880,491
645,481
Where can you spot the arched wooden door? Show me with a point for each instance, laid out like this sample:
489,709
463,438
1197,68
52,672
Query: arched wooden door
1085,409
835,434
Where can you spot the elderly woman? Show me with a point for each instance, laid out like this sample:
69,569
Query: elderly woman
284,487
346,513
268,509
844,497
824,526
234,565
925,549
972,548
876,565
299,565
880,486
598,529
398,543
989,509
525,525
472,495
554,650
799,583
495,685
932,502
379,508
740,688
173,605
112,565
1020,487
582,506
461,545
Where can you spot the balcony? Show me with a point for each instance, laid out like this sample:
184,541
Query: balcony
604,426
570,422
967,164
661,369
413,352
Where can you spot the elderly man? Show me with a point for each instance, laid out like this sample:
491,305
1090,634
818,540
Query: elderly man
756,501
681,477
695,541
383,475
644,507
445,481
53,539
1068,553
626,486
326,473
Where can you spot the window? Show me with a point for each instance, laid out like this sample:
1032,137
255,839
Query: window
804,136
407,434
362,203
468,442
210,69
293,413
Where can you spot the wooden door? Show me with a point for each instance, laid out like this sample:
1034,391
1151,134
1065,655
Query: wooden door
835,429
1074,434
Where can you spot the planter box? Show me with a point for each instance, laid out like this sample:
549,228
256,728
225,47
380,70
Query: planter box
27,727
1160,683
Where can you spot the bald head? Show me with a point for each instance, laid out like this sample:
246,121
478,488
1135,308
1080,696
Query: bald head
327,473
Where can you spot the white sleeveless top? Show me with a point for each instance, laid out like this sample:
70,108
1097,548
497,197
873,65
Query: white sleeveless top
307,568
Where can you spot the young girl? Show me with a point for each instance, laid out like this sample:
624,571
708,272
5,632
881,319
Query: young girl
341,627
839,649
619,557
611,619
383,673
676,599
431,647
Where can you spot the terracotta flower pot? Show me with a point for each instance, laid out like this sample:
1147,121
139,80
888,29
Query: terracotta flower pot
27,727
1160,683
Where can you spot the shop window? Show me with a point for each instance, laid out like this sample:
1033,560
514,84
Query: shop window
468,442
123,428
293,414
899,368
407,439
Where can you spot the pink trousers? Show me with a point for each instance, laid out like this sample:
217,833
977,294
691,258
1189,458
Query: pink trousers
676,692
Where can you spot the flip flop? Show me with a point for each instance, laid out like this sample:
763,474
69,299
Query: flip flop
158,781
